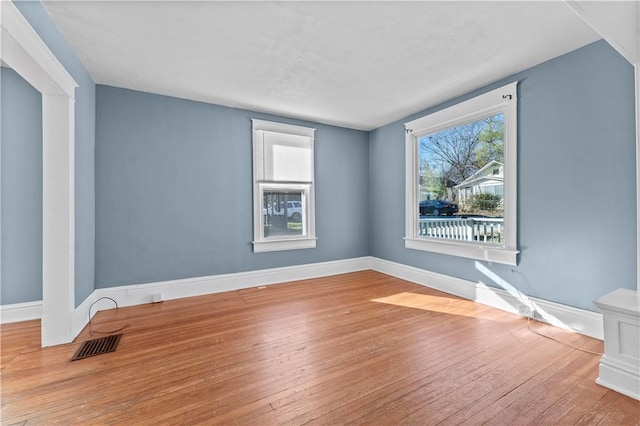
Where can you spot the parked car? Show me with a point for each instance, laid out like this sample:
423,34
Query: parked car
437,207
294,210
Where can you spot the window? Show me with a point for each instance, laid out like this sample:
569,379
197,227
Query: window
283,190
461,179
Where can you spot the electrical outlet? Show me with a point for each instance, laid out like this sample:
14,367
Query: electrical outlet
528,312
525,311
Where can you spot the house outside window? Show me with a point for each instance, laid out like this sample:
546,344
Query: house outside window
461,179
283,187
488,180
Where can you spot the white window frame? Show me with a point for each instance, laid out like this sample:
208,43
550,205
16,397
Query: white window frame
260,186
503,100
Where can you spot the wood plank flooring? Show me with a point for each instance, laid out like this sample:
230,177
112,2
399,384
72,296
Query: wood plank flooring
361,348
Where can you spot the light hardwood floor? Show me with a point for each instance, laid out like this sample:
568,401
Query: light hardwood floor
361,348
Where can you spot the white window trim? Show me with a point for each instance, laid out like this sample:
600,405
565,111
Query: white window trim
502,100
281,243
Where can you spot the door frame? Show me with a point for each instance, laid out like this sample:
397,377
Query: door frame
25,52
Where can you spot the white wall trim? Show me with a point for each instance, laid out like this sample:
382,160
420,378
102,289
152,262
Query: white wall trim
27,311
269,175
40,67
503,100
620,364
24,51
138,294
58,226
144,293
567,317
615,376
81,317
609,26
636,69
17,312
563,316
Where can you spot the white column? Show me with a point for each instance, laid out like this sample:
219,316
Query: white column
620,365
58,231
637,81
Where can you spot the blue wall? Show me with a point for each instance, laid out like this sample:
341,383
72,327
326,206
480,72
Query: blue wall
174,190
39,19
576,183
171,180
21,177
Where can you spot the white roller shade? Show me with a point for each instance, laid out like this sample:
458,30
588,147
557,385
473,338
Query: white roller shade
284,157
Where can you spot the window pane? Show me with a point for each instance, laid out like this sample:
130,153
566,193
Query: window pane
282,213
461,180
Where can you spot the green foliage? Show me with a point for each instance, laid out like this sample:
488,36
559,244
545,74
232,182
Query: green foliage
431,183
456,153
440,189
490,142
485,202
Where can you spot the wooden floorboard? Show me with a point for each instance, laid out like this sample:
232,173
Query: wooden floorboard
361,348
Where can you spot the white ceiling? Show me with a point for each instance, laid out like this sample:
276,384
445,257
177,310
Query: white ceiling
352,64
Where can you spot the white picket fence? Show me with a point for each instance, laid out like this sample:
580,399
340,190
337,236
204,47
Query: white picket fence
482,229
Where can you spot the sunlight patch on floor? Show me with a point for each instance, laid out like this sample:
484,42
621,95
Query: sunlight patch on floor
445,305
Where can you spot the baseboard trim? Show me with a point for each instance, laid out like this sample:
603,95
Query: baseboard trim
17,312
137,294
614,375
567,317
176,289
81,314
579,320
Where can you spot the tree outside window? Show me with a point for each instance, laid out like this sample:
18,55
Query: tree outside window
463,164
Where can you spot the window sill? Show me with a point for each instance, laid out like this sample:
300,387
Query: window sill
282,245
479,252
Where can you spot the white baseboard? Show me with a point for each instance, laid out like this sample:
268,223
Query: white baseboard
138,294
615,375
17,312
81,314
176,289
579,320
620,364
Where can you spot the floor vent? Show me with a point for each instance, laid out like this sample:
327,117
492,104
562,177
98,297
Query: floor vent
99,346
